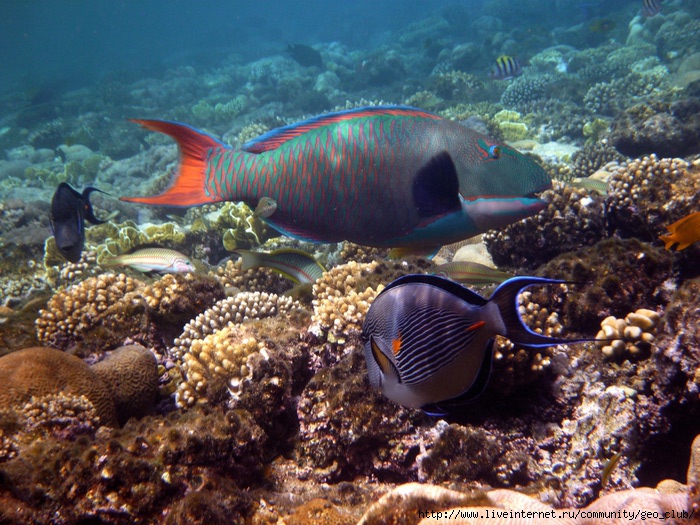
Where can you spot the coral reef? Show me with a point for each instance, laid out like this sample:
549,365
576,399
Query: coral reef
572,219
103,311
631,337
647,194
45,371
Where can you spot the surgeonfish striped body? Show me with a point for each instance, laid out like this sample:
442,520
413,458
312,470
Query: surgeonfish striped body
428,340
161,260
385,176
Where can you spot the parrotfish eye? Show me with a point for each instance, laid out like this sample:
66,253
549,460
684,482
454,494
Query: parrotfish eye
494,151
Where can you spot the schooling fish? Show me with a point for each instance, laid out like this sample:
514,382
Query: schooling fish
161,260
428,340
683,232
295,265
505,68
69,210
384,176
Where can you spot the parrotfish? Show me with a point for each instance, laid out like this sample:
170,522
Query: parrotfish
384,176
295,265
160,260
683,232
69,210
468,272
428,340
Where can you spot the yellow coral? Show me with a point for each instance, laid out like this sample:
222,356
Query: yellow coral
341,300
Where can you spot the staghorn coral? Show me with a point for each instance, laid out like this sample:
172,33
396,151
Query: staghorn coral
631,337
527,89
571,220
647,194
45,371
592,157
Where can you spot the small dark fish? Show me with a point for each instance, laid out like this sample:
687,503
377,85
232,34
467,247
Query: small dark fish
266,207
428,341
505,68
69,210
608,469
601,25
651,8
305,55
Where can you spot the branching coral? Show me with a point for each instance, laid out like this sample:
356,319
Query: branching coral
341,301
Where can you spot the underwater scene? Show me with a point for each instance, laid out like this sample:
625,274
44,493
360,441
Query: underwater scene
391,262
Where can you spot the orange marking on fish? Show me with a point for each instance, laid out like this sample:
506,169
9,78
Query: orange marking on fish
475,326
396,345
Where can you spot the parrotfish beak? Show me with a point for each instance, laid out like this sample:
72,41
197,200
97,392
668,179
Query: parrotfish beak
497,212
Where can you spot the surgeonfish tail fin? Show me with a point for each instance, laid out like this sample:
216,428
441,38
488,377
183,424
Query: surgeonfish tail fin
506,297
189,186
89,213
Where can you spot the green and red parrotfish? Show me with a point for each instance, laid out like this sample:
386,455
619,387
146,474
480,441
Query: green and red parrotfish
295,265
161,260
385,176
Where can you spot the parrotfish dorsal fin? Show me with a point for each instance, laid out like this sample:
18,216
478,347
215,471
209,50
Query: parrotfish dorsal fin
272,139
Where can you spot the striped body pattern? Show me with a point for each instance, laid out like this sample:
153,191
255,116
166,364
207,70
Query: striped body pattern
379,176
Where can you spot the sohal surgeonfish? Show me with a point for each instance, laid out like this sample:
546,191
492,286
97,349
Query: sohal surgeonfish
69,210
428,340
384,176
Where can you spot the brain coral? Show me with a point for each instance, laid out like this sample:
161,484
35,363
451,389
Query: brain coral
42,371
131,373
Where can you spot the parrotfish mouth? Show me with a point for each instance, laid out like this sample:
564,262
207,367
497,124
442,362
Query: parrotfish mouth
496,212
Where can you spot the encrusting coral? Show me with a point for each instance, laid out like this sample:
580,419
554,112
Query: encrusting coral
629,337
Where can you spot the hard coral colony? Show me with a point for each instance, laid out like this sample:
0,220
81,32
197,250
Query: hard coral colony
275,379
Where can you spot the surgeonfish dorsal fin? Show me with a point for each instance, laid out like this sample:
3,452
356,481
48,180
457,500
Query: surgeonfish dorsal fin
441,282
272,139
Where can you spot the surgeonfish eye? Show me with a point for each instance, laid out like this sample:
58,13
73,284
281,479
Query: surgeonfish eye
494,151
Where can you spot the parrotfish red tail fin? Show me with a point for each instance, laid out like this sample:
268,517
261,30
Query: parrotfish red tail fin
189,185
506,296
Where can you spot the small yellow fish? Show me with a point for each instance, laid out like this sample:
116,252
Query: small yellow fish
683,232
160,260
608,469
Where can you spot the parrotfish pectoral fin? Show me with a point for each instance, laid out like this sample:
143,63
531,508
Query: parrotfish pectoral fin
189,186
506,296
436,187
